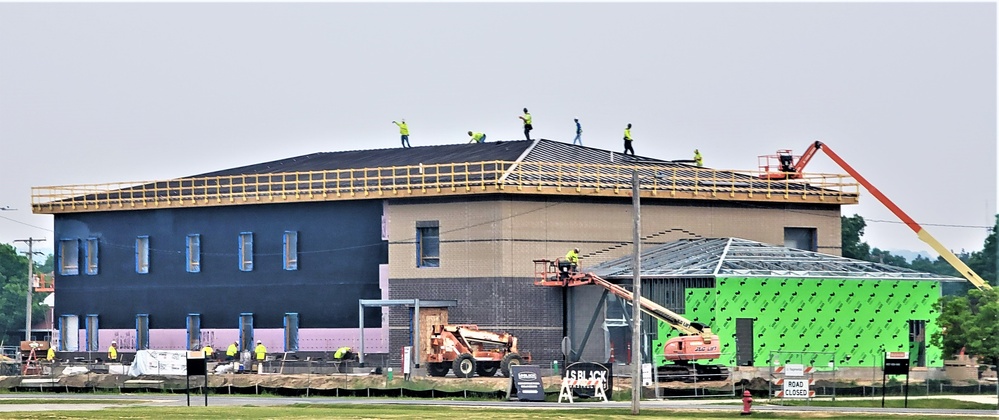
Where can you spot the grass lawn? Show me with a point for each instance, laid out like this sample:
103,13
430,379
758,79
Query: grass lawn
325,411
5,401
895,403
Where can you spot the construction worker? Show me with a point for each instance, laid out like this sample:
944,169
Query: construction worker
230,353
50,355
527,124
404,132
342,353
698,160
568,266
261,351
113,352
627,140
579,132
209,351
477,137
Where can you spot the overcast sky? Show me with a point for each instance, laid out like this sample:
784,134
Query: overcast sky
906,93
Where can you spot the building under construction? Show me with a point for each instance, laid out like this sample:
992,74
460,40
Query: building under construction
285,251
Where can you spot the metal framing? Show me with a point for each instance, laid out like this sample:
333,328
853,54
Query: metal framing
727,257
413,303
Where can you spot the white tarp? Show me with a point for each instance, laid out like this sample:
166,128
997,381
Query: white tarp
159,362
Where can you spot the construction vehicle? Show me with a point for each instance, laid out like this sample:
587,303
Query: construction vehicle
790,167
468,350
695,343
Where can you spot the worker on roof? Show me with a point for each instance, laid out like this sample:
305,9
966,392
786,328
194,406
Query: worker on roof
477,137
627,140
113,352
527,124
404,132
230,353
698,160
579,133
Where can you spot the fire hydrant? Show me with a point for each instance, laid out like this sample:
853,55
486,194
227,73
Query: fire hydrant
747,403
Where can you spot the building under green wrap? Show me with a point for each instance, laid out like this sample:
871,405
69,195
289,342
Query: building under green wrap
761,298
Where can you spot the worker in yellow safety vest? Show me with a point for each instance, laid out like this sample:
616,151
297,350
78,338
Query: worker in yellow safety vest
209,351
113,352
477,137
526,118
342,353
50,355
260,350
403,132
627,140
698,160
230,353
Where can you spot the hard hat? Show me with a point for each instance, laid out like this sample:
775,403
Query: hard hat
258,341
113,342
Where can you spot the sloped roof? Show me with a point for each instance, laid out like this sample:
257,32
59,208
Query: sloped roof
722,257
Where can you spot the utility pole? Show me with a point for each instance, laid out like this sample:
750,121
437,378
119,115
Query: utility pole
636,299
31,274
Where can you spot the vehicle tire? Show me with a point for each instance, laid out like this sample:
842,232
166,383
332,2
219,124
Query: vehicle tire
438,369
464,366
510,359
487,369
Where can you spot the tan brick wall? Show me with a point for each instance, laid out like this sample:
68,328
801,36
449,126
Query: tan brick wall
501,237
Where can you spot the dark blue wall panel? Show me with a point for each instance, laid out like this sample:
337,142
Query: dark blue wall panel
339,244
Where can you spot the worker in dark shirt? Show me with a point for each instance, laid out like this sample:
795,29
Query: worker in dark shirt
579,133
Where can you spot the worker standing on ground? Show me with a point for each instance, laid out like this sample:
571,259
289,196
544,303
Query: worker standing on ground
230,353
627,140
113,352
698,160
477,137
261,352
527,124
404,132
50,355
579,132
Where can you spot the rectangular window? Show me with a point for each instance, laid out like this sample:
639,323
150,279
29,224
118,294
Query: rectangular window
246,251
69,257
194,253
93,344
90,252
801,238
290,250
193,331
142,331
246,330
291,331
428,244
142,254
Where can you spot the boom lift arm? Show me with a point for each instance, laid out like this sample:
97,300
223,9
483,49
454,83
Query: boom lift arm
796,172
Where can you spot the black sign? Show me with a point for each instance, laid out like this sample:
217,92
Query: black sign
196,367
896,366
525,383
590,370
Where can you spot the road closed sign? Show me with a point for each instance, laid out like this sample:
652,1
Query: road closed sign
795,388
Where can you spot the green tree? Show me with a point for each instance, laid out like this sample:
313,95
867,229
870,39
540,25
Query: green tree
984,261
13,292
48,266
852,229
970,322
